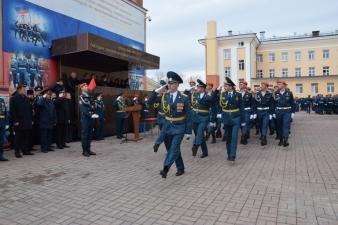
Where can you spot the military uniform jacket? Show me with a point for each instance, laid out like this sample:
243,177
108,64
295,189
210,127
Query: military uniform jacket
119,106
100,109
177,114
3,113
284,101
47,115
264,103
21,112
201,107
86,108
248,102
231,106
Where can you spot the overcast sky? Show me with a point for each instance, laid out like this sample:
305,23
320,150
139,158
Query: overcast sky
177,25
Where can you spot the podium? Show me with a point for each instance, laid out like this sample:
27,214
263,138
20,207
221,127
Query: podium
136,112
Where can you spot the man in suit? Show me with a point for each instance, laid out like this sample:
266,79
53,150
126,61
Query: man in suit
120,116
177,122
22,119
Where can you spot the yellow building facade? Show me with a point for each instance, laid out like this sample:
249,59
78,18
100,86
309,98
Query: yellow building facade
308,63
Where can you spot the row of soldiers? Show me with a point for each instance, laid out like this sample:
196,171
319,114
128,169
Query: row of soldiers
320,104
44,116
197,109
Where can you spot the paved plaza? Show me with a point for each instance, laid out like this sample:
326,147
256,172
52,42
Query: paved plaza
121,185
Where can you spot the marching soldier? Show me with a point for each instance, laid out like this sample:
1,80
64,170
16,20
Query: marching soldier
87,116
100,110
3,126
284,112
232,116
177,122
119,105
248,106
263,110
201,103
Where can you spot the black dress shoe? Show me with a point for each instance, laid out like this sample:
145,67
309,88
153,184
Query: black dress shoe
280,142
66,146
179,173
28,153
164,172
60,147
50,149
194,150
156,146
86,154
119,137
91,153
18,155
203,156
285,142
213,141
3,160
44,151
264,141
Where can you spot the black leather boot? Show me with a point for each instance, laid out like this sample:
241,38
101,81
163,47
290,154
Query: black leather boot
164,172
194,150
285,142
280,142
264,141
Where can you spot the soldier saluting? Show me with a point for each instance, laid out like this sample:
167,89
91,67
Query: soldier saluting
87,116
177,122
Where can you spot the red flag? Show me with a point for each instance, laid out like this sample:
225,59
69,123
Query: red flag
92,84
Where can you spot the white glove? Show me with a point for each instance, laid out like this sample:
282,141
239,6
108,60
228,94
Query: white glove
16,124
6,128
220,87
187,137
119,98
44,96
212,124
158,90
251,117
95,116
243,124
219,116
292,115
270,117
274,116
255,116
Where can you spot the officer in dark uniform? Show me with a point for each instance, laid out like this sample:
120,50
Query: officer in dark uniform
61,120
335,104
47,120
21,114
177,122
119,105
248,107
87,116
232,116
284,111
3,126
307,104
263,110
201,104
100,111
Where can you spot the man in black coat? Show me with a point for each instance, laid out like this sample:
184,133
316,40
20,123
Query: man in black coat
61,120
22,119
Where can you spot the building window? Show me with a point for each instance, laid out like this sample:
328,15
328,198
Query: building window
311,55
299,88
312,71
298,72
326,54
259,58
330,87
272,57
298,56
314,88
259,73
227,53
285,72
272,73
227,71
284,56
241,64
326,71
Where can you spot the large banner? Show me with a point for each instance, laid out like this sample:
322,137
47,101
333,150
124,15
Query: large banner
29,26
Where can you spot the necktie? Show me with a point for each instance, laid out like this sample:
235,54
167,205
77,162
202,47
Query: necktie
230,95
171,98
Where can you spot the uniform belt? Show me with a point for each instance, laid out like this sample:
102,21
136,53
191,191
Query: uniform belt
175,119
247,108
2,117
284,107
230,110
201,110
265,108
120,111
161,113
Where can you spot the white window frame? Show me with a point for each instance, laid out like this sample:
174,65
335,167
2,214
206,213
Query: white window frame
298,72
326,54
326,70
299,88
272,57
311,55
330,87
259,58
285,56
259,74
298,56
227,54
312,71
227,71
314,88
285,72
272,73
241,64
